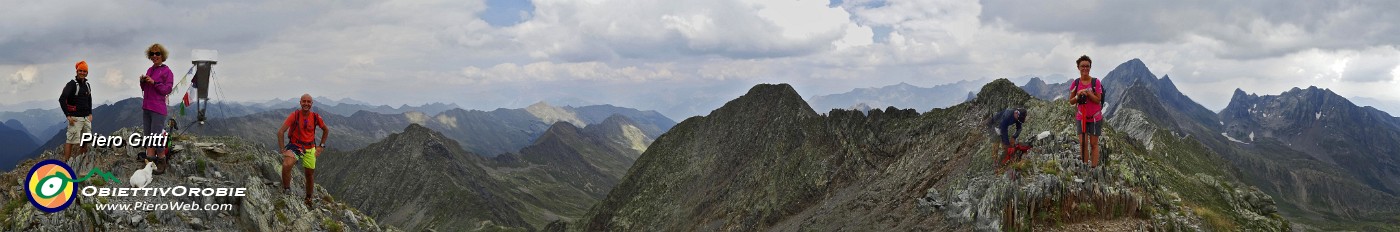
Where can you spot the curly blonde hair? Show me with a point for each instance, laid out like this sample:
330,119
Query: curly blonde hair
164,55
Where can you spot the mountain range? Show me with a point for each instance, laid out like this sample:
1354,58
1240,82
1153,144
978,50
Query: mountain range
1333,162
902,95
403,179
487,133
1328,172
14,139
43,122
1304,159
768,161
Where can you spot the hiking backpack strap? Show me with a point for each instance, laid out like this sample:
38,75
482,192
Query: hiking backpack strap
1099,87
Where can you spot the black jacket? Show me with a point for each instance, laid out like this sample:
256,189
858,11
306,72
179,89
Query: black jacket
76,99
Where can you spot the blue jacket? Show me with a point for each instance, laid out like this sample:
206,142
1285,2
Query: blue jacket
1007,118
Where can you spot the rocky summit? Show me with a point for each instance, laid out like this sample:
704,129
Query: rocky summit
201,162
766,161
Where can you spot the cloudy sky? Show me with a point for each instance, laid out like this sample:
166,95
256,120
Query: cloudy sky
686,57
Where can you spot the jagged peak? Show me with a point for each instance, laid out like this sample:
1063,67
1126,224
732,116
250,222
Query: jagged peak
1133,70
418,135
1134,62
558,131
998,86
415,128
617,119
779,98
1166,84
1311,90
1001,93
561,125
1035,81
1239,93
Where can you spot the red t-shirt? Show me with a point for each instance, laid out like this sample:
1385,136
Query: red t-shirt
1090,111
301,128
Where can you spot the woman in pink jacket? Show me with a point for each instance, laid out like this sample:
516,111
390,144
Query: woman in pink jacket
1086,93
155,85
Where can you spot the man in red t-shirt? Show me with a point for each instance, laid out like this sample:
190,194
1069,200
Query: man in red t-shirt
302,124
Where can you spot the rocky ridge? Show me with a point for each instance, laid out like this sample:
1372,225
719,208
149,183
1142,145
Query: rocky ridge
766,161
203,162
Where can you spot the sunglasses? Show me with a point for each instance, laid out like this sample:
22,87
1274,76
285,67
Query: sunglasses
1084,66
152,53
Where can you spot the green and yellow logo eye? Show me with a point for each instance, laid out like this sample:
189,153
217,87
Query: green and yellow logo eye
50,184
49,187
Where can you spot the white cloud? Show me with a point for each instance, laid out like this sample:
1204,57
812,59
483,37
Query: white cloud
549,71
116,79
1372,65
579,31
23,78
660,54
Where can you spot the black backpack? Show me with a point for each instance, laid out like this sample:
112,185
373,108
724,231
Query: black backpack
1103,98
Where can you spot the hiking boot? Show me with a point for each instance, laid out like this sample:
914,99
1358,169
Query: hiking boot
161,165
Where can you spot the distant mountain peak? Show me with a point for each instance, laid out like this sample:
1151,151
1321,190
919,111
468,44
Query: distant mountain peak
1133,68
559,131
617,119
1135,62
15,124
551,114
1311,91
773,99
561,126
1035,81
1001,93
415,128
416,133
1239,94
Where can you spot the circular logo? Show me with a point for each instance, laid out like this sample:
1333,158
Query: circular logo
49,187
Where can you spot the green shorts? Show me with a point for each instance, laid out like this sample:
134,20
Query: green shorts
306,156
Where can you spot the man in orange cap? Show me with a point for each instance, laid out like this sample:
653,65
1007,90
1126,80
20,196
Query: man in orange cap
76,103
